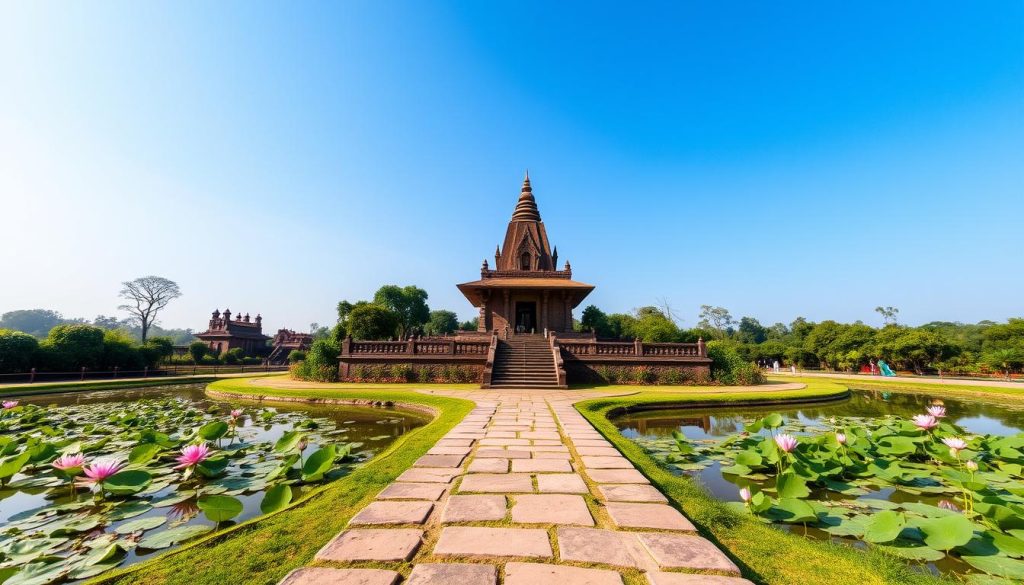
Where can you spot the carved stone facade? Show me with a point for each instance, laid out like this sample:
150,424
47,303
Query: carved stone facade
224,334
525,292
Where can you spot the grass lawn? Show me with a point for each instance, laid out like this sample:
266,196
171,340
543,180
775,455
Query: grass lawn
998,392
766,554
94,385
265,549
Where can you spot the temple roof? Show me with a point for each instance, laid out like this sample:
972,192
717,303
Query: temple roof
477,290
526,209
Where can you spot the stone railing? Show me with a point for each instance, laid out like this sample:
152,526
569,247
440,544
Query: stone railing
594,349
425,347
567,274
492,350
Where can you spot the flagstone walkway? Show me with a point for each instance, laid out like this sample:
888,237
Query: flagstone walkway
523,491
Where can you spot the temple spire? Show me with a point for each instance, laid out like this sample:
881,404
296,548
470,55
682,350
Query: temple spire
526,209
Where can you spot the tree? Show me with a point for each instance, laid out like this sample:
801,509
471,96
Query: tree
441,323
409,305
653,326
715,318
198,350
751,331
888,314
372,322
147,296
17,349
35,322
471,325
104,322
1006,360
594,319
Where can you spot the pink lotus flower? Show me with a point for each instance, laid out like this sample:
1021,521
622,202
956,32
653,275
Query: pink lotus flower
947,505
925,422
955,444
937,411
192,455
8,404
236,413
841,438
99,472
786,442
67,462
745,494
303,443
971,466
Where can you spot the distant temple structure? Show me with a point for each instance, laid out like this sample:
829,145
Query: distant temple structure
525,336
286,341
223,334
525,293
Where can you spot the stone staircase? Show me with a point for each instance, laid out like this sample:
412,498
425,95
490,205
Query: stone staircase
524,361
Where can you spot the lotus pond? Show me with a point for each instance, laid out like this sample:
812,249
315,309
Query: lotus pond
92,482
936,481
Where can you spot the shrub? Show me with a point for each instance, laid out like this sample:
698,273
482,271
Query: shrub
251,361
120,351
321,363
233,355
198,350
296,355
17,351
70,347
727,367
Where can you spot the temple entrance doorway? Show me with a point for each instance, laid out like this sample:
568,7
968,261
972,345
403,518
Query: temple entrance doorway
526,316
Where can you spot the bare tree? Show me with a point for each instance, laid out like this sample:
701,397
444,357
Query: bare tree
888,314
666,307
147,296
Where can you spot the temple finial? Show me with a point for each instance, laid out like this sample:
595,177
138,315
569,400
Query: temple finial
526,209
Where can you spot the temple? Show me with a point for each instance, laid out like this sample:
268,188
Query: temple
525,336
525,292
223,334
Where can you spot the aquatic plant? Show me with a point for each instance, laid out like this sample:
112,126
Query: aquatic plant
962,496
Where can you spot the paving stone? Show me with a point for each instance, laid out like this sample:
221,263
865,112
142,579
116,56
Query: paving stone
630,515
448,573
544,443
429,475
596,545
541,435
618,462
561,483
503,442
549,455
372,544
536,573
660,578
322,576
463,451
682,551
412,491
540,465
474,509
590,442
455,443
488,466
596,451
474,541
500,435
497,483
616,476
631,492
502,454
551,509
439,461
393,512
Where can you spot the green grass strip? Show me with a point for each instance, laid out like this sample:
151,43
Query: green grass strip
908,385
265,549
765,554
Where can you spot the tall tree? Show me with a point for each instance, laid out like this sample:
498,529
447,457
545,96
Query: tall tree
717,318
408,303
372,322
888,314
147,296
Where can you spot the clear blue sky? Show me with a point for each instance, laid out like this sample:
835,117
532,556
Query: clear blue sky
815,159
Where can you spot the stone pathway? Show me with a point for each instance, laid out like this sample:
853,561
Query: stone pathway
523,491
